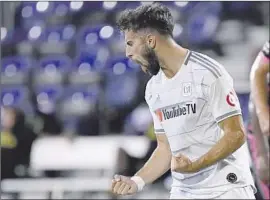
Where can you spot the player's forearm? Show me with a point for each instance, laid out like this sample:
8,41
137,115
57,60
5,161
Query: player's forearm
228,144
258,77
259,92
156,166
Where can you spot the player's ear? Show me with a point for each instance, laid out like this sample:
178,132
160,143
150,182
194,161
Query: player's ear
151,41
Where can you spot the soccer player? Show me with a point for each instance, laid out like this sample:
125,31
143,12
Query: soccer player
260,113
196,114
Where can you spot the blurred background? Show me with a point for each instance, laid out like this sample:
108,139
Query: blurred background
72,106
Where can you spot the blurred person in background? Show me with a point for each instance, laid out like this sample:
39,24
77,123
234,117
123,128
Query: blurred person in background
46,119
16,141
45,122
50,123
259,111
88,125
196,114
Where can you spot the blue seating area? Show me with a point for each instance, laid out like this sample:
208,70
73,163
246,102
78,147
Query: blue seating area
85,119
63,48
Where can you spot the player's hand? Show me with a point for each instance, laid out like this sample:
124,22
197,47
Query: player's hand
123,185
182,164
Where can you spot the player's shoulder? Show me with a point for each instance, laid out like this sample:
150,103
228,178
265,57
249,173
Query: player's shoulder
206,67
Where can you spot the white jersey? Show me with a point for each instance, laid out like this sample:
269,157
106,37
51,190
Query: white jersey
187,108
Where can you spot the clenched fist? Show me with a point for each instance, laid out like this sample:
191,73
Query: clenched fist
182,164
123,185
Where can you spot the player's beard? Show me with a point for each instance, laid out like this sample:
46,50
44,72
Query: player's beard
153,64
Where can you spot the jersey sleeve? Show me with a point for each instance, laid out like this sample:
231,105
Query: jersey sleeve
223,100
265,50
157,125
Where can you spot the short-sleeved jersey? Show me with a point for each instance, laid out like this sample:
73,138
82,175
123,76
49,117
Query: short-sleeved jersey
187,108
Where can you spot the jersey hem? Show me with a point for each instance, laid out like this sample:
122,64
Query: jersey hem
227,115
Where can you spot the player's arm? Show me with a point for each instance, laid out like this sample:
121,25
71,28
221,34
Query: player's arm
225,108
262,149
233,139
160,160
258,79
156,166
158,163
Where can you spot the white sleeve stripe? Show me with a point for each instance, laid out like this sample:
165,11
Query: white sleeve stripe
207,62
205,66
159,131
230,114
187,59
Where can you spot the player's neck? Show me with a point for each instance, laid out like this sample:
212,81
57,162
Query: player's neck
171,57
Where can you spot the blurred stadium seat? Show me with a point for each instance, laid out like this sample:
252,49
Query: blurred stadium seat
33,13
60,33
78,100
57,40
16,96
61,8
13,95
52,69
116,6
8,40
15,70
48,97
121,82
91,38
30,37
6,35
86,68
202,24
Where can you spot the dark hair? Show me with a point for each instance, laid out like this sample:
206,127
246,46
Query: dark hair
154,16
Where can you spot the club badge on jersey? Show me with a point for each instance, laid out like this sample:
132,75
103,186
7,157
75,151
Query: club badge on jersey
187,89
231,99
